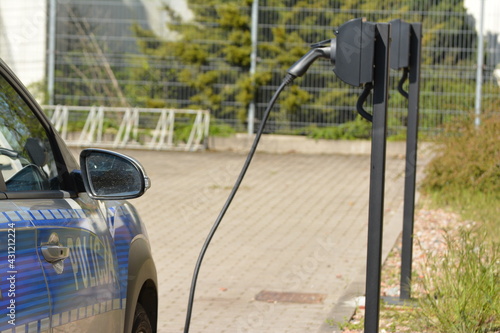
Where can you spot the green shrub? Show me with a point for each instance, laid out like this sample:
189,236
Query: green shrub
468,158
357,129
465,173
220,129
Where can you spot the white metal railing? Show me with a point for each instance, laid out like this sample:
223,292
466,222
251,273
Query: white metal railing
135,128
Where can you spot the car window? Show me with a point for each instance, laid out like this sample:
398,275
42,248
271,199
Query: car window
26,159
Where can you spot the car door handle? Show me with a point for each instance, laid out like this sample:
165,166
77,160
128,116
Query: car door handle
53,253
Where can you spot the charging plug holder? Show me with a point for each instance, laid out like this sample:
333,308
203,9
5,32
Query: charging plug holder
400,44
400,51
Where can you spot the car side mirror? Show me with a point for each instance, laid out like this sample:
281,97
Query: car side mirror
109,175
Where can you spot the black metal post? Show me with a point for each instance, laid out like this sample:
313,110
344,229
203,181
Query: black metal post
377,178
411,161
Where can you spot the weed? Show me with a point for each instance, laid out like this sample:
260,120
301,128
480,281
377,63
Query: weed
347,324
462,286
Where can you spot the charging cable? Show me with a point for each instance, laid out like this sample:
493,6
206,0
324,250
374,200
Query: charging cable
296,70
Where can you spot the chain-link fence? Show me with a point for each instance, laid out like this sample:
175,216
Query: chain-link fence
108,53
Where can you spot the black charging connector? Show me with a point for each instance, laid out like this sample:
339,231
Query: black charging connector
318,50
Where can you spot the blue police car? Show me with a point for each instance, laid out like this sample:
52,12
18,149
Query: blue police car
74,255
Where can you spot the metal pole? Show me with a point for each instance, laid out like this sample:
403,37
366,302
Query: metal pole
253,62
479,72
51,51
411,160
377,178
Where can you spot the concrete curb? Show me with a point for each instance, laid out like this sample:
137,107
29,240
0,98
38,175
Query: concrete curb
283,144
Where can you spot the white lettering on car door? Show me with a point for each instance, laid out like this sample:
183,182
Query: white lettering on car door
95,274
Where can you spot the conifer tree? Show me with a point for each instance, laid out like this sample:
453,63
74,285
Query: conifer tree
207,64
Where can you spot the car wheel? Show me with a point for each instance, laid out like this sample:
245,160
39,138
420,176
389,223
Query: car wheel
141,321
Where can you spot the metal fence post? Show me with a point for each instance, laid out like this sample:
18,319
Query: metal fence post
51,50
479,69
253,62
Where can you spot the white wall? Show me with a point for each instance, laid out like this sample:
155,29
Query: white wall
491,14
23,38
23,32
157,17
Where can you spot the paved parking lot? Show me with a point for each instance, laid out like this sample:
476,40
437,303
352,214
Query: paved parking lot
297,225
297,228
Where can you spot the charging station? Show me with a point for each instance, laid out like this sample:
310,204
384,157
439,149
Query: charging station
404,41
360,55
380,82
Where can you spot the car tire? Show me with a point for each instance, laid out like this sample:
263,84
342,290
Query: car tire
141,321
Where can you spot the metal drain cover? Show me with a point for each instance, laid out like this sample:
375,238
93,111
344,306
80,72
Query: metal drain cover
289,297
